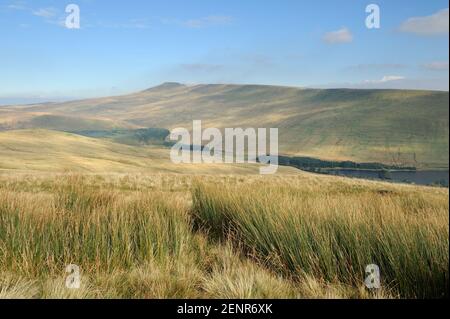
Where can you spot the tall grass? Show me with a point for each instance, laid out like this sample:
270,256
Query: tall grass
129,240
279,237
332,231
97,229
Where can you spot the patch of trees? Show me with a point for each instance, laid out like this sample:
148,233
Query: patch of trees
316,165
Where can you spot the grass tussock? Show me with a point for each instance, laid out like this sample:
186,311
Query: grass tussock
97,229
129,240
331,234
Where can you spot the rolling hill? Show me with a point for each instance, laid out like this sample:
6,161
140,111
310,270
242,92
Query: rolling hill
52,151
396,127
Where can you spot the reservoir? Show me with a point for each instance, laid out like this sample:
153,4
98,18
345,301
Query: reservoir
431,177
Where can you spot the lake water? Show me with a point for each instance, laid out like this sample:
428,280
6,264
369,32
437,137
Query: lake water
416,177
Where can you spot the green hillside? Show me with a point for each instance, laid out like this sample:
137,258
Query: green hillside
395,127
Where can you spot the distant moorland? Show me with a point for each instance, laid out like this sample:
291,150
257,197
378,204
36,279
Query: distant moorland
394,127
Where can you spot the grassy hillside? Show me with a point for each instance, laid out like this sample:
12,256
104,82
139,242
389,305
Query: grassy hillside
149,136
32,120
138,236
391,126
53,151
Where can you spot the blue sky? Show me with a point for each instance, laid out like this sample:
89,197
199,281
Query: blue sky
125,46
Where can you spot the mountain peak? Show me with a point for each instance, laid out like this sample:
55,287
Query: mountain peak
167,86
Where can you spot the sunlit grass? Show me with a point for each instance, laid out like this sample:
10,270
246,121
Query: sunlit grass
174,236
332,233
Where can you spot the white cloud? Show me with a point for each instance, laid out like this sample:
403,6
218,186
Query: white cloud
209,21
204,22
48,14
375,67
388,82
387,78
131,24
17,6
437,66
434,24
45,12
339,36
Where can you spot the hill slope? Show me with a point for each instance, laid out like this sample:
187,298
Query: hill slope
389,126
52,151
29,120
